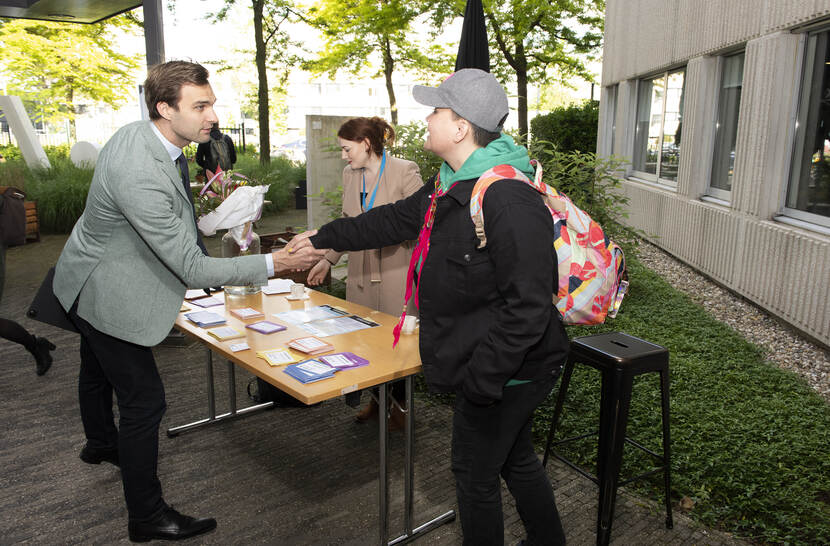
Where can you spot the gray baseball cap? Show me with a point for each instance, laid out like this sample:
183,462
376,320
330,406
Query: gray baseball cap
473,94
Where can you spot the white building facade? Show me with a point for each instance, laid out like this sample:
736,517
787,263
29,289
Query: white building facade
722,108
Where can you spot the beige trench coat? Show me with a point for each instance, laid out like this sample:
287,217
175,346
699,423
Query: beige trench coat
377,278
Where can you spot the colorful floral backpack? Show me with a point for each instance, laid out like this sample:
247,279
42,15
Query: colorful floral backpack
592,275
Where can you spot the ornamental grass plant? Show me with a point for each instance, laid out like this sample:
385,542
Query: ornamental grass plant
60,190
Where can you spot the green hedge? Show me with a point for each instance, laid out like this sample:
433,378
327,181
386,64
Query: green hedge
569,128
61,190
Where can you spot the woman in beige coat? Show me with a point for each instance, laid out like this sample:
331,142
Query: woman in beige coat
377,277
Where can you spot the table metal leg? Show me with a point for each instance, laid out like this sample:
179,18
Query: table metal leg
409,474
409,455
211,393
232,386
383,478
210,390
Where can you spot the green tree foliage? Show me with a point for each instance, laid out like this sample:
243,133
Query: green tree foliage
409,144
536,40
569,128
273,48
358,31
52,66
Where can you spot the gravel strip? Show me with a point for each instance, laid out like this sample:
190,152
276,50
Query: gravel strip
784,347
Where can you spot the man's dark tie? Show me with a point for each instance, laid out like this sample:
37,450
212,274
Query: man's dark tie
182,163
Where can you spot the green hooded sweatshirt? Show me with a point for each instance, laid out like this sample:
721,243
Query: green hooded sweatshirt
502,151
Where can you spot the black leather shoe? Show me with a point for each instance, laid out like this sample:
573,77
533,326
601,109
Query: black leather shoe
91,455
170,525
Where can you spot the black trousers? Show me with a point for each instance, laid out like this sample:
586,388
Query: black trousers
110,364
493,441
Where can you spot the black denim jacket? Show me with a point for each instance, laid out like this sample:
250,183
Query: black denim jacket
486,315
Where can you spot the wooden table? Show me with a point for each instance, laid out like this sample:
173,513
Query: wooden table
375,344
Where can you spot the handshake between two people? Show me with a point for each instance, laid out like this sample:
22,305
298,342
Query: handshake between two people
299,254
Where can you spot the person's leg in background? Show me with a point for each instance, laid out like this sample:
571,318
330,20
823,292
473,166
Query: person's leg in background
396,409
40,347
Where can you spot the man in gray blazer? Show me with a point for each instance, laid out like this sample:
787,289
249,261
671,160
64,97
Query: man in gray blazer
122,277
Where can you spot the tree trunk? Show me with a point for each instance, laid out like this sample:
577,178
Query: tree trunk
73,133
264,129
388,68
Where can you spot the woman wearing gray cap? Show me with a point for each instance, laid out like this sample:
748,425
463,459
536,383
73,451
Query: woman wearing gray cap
489,330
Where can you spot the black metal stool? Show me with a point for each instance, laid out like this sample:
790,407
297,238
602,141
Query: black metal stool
619,357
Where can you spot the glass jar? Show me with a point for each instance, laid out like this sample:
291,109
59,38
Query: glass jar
240,241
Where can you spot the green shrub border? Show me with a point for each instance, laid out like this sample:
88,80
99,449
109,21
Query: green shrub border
61,190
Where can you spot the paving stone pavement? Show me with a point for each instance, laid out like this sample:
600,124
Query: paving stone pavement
285,476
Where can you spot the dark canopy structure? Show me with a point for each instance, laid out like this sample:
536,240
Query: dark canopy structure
93,11
77,11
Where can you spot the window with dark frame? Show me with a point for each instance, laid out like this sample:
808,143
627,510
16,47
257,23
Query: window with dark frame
808,194
612,115
726,126
659,123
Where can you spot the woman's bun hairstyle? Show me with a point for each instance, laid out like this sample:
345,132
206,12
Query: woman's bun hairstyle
375,129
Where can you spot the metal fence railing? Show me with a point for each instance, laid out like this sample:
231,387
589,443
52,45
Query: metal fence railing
240,134
45,139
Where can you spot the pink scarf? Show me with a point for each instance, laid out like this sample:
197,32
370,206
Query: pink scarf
419,255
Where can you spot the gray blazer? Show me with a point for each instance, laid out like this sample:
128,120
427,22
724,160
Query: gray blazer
133,252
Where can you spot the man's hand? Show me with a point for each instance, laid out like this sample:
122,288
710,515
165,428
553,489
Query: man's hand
318,273
296,261
301,241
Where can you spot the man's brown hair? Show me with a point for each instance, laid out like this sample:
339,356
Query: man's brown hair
164,83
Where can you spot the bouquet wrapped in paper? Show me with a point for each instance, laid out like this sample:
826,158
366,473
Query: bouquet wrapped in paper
229,201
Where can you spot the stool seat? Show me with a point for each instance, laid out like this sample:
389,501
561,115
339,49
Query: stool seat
619,351
619,357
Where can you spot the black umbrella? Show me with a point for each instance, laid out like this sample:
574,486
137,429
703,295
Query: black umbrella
472,50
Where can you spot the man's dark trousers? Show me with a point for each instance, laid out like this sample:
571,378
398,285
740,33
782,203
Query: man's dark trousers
493,441
107,364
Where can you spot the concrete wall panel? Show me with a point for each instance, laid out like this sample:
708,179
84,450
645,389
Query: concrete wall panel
324,168
781,268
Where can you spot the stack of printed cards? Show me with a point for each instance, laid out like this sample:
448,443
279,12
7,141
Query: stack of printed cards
277,286
266,327
207,302
277,357
205,318
310,345
225,332
343,361
247,313
194,293
310,371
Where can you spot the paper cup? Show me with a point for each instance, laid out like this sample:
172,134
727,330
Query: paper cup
297,290
409,324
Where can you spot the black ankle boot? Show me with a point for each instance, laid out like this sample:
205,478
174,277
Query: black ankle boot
41,352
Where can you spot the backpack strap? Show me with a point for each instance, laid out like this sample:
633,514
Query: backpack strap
500,172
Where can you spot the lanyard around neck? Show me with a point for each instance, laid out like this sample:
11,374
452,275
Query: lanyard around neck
375,192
